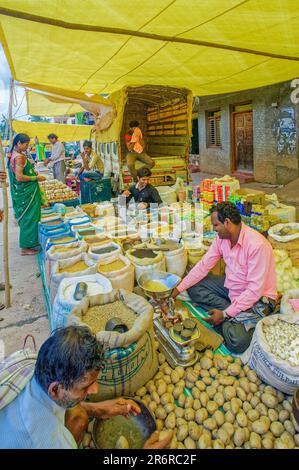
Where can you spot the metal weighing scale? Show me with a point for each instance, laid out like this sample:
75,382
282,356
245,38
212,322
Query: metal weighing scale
178,352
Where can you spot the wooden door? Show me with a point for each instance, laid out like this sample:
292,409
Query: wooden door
243,141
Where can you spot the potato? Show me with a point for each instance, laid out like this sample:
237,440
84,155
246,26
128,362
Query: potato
210,424
189,443
289,427
181,383
280,396
152,388
255,441
229,392
287,406
253,388
218,444
189,402
204,373
153,406
194,430
220,362
252,377
189,414
213,371
191,376
229,417
167,371
159,375
244,384
259,427
261,408
175,378
180,371
160,413
276,428
167,379
247,445
170,421
246,406
241,419
234,406
241,393
279,444
211,391
196,404
223,436
233,369
181,400
226,381
229,428
155,397
204,398
294,422
219,417
296,439
201,415
283,415
204,442
206,363
239,437
254,401
200,385
253,415
273,415
212,407
169,407
269,400
162,387
227,406
141,391
181,422
218,398
182,432
207,380
179,412
167,398
195,393
177,392
159,424
288,439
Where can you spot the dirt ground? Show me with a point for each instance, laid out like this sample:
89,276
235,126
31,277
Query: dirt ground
27,314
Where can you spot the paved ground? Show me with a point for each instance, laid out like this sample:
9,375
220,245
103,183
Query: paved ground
27,314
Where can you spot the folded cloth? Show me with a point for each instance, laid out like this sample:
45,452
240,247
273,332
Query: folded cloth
15,372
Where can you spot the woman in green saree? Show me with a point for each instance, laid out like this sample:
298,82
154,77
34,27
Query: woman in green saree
25,194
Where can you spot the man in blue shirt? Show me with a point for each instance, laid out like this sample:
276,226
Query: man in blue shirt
51,412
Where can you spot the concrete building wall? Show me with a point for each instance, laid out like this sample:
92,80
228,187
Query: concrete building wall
275,133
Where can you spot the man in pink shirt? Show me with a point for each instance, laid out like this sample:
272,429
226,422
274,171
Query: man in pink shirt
136,151
247,292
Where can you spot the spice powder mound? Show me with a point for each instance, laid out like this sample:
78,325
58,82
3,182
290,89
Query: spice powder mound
113,266
97,317
76,267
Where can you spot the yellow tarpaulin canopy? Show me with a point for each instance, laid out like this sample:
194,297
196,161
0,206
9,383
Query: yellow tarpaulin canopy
98,46
39,105
65,132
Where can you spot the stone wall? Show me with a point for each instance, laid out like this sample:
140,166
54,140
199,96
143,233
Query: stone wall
275,133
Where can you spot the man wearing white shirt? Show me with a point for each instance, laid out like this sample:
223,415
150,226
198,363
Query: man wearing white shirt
57,159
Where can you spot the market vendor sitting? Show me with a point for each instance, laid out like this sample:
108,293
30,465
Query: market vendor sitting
50,412
247,292
93,167
143,192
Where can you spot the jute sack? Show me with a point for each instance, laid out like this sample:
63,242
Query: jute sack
64,301
121,278
73,249
56,276
270,368
130,359
145,265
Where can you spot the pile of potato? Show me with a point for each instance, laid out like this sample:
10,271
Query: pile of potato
227,407
56,191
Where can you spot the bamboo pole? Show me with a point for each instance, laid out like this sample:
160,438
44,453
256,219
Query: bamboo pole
5,231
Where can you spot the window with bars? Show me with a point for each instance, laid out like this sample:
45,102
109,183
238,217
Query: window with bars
214,131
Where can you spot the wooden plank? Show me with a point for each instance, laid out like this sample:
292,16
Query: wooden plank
168,140
168,149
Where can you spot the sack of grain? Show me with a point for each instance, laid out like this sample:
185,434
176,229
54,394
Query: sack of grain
104,252
119,271
61,251
105,209
64,301
130,358
270,367
147,261
79,265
